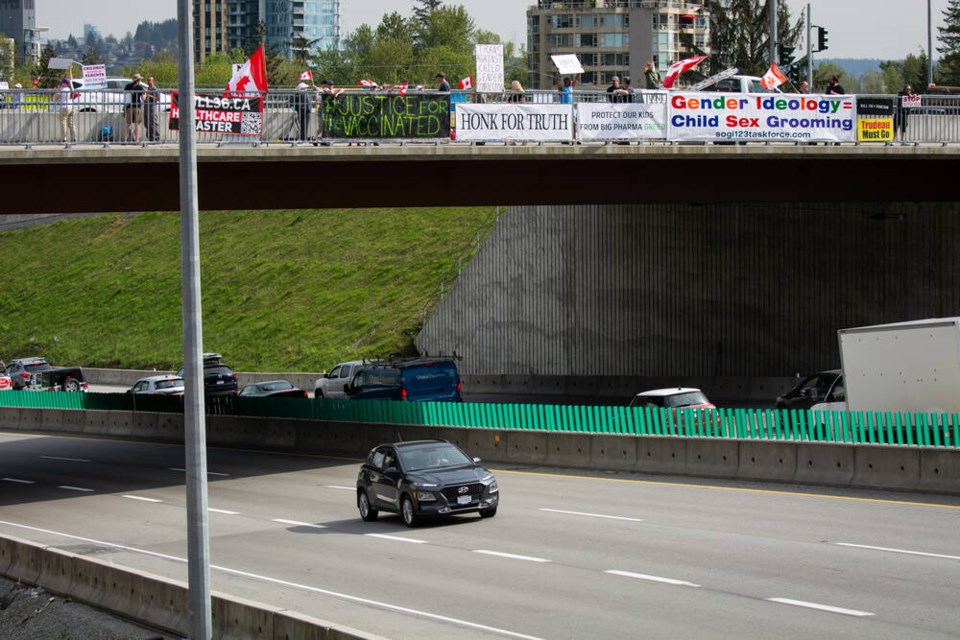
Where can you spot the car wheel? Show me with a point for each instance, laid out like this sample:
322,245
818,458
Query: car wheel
367,512
71,385
318,394
407,513
488,513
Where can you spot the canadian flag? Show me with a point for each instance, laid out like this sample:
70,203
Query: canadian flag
679,67
367,83
252,76
467,83
307,75
403,88
773,78
36,81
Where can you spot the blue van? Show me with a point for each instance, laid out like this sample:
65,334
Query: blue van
420,379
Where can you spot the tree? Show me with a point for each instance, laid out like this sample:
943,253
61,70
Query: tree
421,13
740,34
911,70
301,47
948,71
49,78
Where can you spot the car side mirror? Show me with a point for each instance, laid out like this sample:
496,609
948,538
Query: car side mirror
476,460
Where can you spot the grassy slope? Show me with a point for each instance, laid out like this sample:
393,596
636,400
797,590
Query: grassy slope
282,290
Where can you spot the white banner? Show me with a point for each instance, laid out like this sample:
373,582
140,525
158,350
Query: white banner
94,76
489,68
759,117
567,63
645,120
536,122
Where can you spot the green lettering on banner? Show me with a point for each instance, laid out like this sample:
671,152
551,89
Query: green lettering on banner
379,116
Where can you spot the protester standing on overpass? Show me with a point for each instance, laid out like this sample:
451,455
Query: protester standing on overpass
651,76
67,96
566,89
151,111
134,108
302,103
444,85
900,115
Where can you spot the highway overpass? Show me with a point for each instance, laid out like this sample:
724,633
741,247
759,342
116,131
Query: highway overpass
90,178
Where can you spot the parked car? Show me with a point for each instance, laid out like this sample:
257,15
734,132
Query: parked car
332,384
162,385
21,370
111,98
59,379
420,378
424,478
6,384
673,398
218,378
825,386
272,389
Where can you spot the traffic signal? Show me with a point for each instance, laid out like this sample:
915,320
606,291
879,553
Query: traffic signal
796,75
821,39
785,54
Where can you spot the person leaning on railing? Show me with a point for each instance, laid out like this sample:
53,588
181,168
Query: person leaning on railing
517,95
67,97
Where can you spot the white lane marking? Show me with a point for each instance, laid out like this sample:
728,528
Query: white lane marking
143,499
295,523
293,585
386,537
336,486
229,513
592,515
904,551
512,556
19,481
821,607
69,488
64,459
209,473
643,576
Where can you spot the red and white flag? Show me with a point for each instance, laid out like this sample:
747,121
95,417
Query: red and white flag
36,81
773,78
307,75
252,76
679,67
467,83
403,88
367,83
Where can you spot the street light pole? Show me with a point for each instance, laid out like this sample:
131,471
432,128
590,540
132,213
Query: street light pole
929,44
773,32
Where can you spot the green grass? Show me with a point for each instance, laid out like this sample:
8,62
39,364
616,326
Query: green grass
281,290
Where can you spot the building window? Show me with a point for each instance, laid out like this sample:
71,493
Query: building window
611,21
561,21
586,21
612,40
587,40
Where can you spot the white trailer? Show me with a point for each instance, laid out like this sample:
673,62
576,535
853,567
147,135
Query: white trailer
910,367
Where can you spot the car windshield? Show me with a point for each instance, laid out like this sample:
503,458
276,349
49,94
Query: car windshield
279,385
217,370
685,399
35,367
432,456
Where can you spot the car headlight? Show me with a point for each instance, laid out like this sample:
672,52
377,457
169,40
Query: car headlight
492,487
424,496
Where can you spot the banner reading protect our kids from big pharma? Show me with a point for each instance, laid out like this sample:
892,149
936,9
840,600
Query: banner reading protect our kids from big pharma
748,117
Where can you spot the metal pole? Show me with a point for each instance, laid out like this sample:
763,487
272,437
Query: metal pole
809,52
198,535
774,58
929,44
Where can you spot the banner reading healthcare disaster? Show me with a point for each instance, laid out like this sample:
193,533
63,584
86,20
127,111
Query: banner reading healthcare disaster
645,120
527,122
365,116
748,117
219,114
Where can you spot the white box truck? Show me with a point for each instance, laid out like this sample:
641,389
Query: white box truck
908,367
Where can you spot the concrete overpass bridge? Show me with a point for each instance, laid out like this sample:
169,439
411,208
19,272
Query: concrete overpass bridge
89,178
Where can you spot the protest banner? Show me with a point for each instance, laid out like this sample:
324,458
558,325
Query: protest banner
489,68
645,120
94,76
875,130
761,117
567,63
533,122
362,116
216,113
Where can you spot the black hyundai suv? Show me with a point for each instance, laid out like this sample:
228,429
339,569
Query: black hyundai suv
218,378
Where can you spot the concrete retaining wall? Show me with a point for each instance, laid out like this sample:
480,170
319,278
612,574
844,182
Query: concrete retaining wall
818,463
155,601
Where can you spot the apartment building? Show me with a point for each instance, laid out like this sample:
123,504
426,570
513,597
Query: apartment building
18,21
613,37
222,25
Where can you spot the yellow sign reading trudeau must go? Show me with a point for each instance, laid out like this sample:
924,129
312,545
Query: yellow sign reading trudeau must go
875,130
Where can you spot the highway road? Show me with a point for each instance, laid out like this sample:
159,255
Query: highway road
567,556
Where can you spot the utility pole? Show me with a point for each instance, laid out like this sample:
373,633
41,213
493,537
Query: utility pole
929,45
809,51
194,418
774,59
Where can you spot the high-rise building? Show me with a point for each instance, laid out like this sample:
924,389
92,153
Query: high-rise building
613,37
18,20
222,25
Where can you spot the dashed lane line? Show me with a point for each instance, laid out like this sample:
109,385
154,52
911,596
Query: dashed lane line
821,607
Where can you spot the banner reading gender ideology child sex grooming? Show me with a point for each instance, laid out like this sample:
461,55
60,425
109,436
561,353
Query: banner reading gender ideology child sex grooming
645,120
534,122
750,117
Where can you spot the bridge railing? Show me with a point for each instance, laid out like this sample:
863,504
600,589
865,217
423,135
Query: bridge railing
860,427
30,117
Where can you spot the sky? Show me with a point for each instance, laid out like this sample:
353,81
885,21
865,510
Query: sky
858,28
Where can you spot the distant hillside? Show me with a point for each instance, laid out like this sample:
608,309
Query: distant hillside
852,67
282,290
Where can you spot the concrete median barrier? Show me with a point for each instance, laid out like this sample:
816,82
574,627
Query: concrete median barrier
763,460
57,571
238,618
281,433
74,422
143,424
52,419
10,417
713,457
566,449
661,454
26,560
289,625
824,463
527,447
612,453
31,419
939,471
164,604
490,445
883,467
97,423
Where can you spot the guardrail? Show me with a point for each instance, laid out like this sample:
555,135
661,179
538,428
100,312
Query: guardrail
36,117
902,429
